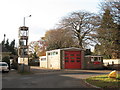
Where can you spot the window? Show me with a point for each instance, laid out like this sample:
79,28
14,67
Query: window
78,61
48,53
36,60
66,61
78,58
92,59
53,53
23,33
72,57
25,51
71,54
72,60
43,59
99,59
3,64
56,53
66,58
95,58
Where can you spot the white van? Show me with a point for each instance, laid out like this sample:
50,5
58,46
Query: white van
4,67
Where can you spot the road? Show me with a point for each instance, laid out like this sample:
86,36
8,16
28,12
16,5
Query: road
49,79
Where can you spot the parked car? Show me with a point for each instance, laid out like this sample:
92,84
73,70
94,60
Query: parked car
34,62
4,67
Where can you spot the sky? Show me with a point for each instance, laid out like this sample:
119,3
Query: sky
45,14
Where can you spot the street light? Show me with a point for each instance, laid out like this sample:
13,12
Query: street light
24,19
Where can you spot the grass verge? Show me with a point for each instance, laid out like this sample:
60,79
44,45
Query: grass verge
103,81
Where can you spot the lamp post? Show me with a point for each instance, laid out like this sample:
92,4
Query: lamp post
24,19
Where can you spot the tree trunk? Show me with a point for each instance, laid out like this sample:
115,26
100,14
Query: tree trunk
80,43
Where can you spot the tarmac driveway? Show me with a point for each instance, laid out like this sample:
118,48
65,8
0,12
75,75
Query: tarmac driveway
44,78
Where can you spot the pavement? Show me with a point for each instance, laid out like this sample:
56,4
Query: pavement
38,70
62,78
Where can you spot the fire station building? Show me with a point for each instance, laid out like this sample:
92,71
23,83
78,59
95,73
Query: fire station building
66,58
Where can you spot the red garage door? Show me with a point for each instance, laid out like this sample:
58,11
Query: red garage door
72,60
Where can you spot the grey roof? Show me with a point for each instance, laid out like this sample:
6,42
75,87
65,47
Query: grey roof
71,48
93,55
74,48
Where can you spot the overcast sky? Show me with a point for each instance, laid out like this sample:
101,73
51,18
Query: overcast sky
45,15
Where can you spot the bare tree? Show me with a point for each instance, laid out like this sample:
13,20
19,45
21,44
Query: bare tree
37,48
83,24
58,38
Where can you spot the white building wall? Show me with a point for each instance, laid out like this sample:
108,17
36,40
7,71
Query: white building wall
43,62
23,61
53,58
